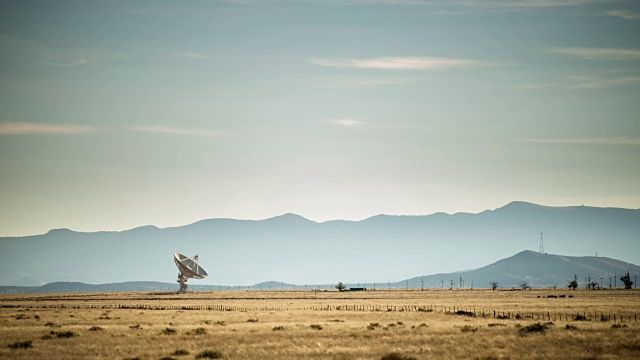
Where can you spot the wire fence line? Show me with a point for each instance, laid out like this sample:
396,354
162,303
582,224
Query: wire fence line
449,310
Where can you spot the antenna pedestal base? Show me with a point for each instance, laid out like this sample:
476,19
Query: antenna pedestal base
182,280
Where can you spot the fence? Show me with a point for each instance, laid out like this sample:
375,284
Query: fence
451,310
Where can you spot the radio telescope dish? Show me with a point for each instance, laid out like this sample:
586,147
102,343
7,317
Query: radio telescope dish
187,268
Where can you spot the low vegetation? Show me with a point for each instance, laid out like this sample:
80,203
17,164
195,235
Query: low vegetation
21,345
210,354
355,325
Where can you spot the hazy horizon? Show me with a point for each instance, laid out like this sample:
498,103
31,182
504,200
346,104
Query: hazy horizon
120,114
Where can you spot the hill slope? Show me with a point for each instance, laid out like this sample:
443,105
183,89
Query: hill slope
293,249
538,270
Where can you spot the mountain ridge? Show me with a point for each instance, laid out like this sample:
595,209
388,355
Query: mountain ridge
299,250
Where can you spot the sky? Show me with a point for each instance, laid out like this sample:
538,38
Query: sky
119,114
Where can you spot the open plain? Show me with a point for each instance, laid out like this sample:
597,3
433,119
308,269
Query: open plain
398,324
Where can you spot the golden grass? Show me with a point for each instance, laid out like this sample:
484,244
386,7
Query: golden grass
356,326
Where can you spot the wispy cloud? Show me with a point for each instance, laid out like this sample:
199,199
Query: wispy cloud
588,82
397,63
625,14
616,140
174,130
347,122
72,63
360,83
611,54
192,55
539,85
17,128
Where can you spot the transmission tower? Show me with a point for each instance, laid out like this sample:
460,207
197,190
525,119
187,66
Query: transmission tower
541,244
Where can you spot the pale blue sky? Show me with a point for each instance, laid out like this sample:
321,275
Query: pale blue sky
125,113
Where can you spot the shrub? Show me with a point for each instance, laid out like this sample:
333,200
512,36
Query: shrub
252,320
496,324
168,358
50,324
180,352
533,328
396,356
136,327
199,331
21,345
502,317
209,354
468,328
63,334
400,323
618,326
21,317
220,323
278,328
169,331
465,313
580,318
571,327
336,320
316,327
37,317
95,328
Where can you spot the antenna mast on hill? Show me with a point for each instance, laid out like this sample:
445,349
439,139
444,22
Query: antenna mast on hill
541,244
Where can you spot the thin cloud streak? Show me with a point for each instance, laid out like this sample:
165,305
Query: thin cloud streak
611,54
347,122
600,83
617,140
192,55
74,63
625,14
396,63
22,128
173,130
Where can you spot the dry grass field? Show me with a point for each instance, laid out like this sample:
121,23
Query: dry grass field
434,324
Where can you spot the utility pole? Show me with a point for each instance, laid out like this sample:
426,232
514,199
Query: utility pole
609,282
615,280
422,283
407,281
541,244
460,282
451,288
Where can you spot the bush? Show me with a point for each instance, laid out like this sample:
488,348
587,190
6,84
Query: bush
571,327
50,324
252,320
21,345
580,318
136,327
168,358
533,328
220,323
180,352
95,328
199,331
278,328
21,317
396,356
209,354
496,324
316,327
169,331
465,313
468,328
618,326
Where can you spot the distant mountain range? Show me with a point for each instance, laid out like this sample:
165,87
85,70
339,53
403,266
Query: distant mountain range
537,270
383,248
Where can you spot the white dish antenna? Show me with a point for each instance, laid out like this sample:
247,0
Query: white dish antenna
188,269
